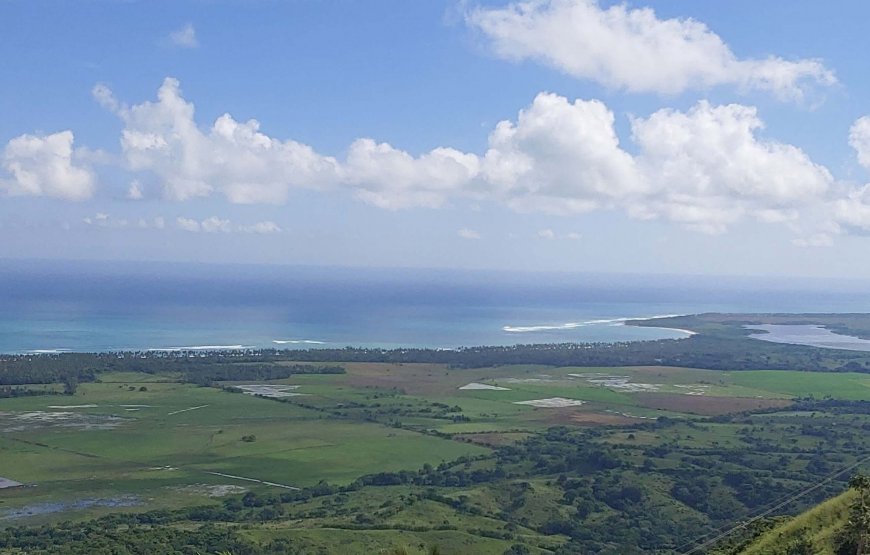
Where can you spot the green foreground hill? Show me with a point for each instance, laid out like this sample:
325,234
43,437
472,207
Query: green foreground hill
815,531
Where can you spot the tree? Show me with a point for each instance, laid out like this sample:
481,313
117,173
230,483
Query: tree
70,384
855,538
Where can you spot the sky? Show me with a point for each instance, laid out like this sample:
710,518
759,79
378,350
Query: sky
676,137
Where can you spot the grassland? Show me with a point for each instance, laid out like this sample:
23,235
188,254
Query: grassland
154,452
134,442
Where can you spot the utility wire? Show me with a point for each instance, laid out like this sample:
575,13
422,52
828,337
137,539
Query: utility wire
787,501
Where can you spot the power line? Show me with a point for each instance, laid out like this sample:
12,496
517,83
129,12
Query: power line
787,501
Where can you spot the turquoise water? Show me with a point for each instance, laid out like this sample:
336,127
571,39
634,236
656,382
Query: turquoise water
100,306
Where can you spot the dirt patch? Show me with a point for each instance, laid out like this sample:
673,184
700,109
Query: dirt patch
414,379
476,385
26,421
219,490
493,439
704,404
275,391
567,417
60,507
427,379
7,483
552,403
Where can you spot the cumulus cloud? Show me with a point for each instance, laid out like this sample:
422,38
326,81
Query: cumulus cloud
262,228
859,139
188,224
550,235
215,224
707,169
135,190
184,37
560,157
391,178
853,211
634,49
101,219
231,157
46,165
466,233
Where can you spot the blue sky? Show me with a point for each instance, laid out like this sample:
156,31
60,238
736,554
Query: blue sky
666,137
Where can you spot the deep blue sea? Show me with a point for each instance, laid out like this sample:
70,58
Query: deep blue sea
88,306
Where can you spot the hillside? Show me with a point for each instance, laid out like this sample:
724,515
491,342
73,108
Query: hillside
818,526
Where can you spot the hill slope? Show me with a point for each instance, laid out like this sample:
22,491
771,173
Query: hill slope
818,525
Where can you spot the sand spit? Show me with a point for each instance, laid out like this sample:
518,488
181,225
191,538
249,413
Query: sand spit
476,385
552,403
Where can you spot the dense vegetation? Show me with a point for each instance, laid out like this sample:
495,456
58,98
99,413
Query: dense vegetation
200,368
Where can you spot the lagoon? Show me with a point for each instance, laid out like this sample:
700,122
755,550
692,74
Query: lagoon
809,335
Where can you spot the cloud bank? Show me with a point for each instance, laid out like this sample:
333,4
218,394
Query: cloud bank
706,168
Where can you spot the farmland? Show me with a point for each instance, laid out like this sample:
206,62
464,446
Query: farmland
364,456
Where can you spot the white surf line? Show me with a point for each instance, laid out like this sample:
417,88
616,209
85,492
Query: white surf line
185,410
253,480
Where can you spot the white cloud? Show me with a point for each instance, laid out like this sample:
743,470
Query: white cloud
853,211
188,224
135,190
859,139
707,169
214,225
101,219
634,50
262,228
392,178
574,236
184,37
560,157
233,158
466,233
548,234
46,165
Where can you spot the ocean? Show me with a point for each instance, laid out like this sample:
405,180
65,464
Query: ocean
101,306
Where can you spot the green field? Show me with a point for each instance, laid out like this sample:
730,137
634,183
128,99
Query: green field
161,454
134,442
